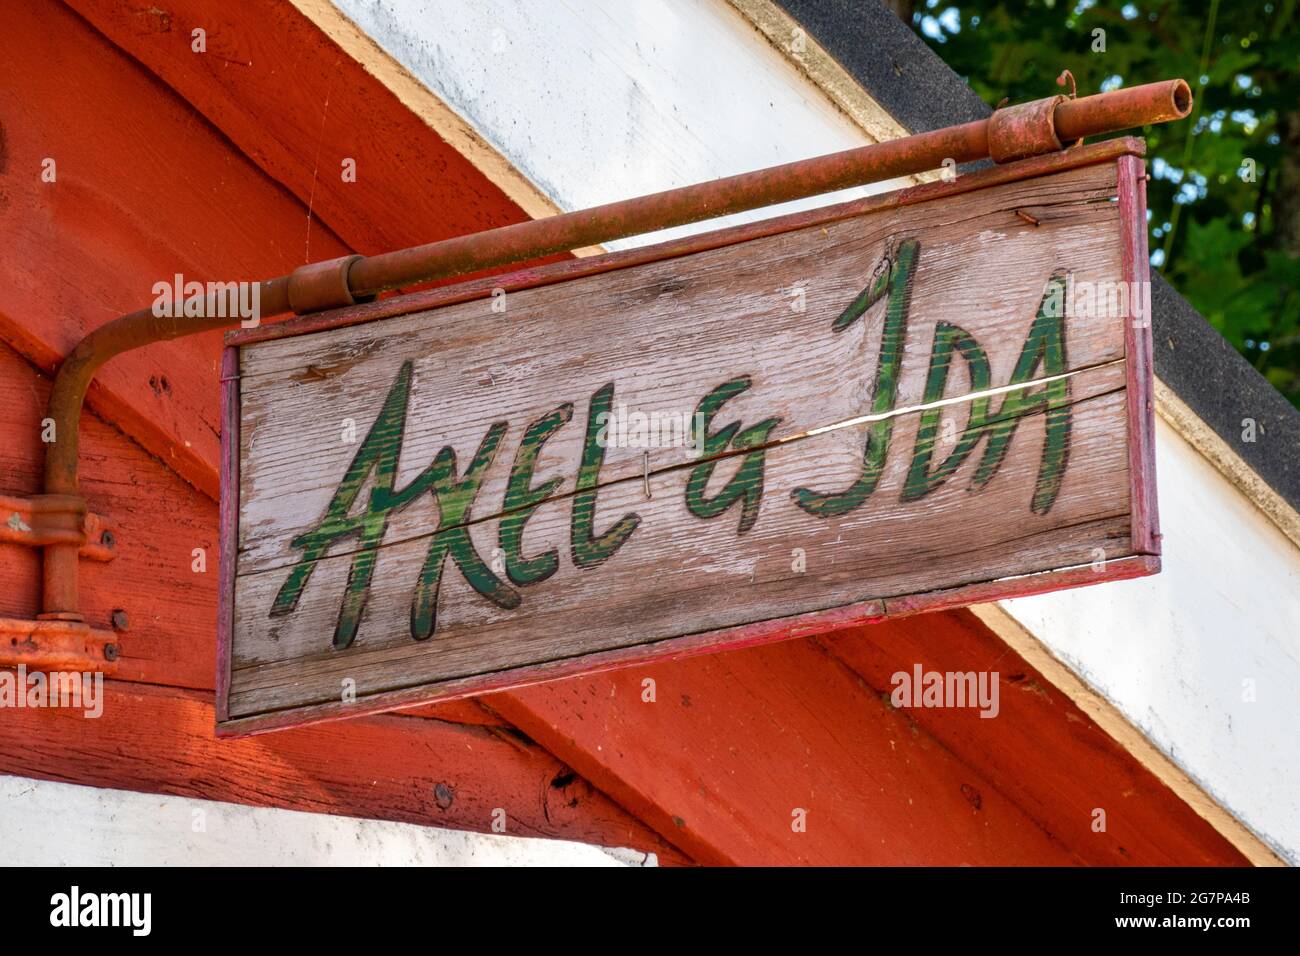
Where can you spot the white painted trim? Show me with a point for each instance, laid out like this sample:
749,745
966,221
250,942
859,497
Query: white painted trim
43,823
822,70
1109,718
1172,652
416,97
1231,465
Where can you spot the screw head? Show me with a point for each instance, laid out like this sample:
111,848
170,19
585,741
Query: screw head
110,652
106,539
120,620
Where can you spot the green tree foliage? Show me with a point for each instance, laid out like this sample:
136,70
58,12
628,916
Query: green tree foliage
1224,196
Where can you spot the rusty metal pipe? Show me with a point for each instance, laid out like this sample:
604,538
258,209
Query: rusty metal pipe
1017,131
673,207
1122,109
60,598
1072,120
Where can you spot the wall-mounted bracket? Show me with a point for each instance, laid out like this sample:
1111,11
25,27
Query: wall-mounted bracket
56,519
60,641
57,646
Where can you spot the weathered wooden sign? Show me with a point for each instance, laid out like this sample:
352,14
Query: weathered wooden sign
918,400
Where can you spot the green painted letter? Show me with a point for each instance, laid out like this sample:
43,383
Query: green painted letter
747,485
1044,348
589,549
455,498
379,453
896,282
522,500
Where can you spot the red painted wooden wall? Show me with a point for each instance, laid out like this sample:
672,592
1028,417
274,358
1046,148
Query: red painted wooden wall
225,165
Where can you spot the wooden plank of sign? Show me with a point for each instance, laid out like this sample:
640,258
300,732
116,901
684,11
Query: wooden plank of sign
678,573
663,334
658,333
1139,346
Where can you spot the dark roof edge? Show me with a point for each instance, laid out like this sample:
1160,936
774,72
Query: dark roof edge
922,93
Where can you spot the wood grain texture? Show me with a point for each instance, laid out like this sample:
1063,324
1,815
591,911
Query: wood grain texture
1034,717
532,276
727,750
146,188
143,190
1135,264
876,790
664,334
156,732
661,334
1138,748
299,124
679,569
159,520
